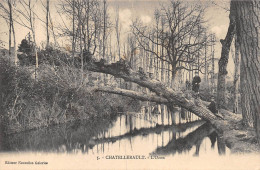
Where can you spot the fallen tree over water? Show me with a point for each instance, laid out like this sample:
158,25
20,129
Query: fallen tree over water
162,94
122,70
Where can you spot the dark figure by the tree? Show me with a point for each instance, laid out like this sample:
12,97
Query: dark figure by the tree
212,106
196,83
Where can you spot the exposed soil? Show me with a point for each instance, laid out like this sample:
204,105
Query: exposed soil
238,138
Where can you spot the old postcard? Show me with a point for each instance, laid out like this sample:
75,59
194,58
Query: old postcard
129,84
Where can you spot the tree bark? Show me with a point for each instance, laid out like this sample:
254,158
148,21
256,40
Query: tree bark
226,43
236,76
248,33
245,100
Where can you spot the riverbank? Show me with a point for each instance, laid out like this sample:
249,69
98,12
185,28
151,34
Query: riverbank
238,138
57,95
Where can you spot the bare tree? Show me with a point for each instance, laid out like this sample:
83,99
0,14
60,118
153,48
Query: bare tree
179,37
7,9
90,23
49,24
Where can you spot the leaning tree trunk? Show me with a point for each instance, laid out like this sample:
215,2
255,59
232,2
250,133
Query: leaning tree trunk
248,33
123,71
226,43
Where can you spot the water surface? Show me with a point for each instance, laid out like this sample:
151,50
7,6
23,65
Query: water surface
150,131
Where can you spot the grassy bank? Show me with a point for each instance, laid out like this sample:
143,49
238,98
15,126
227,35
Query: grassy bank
58,95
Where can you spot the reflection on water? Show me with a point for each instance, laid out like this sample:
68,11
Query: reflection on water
153,130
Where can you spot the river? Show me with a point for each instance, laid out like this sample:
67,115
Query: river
143,133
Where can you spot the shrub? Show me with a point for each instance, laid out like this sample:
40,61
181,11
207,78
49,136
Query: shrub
57,96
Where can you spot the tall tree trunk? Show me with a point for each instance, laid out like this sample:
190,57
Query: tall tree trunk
104,38
80,43
162,70
173,72
236,76
14,49
226,43
248,33
32,27
73,30
206,66
213,66
88,32
118,31
84,34
52,29
47,23
169,75
12,52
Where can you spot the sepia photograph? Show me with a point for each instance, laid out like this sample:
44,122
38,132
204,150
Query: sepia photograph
130,84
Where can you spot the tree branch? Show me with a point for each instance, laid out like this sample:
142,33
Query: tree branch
133,94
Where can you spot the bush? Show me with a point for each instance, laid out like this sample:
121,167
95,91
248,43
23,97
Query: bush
49,56
57,96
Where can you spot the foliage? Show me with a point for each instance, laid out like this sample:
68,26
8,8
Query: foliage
25,47
49,55
58,96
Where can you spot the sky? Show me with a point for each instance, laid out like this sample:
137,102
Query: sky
216,16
